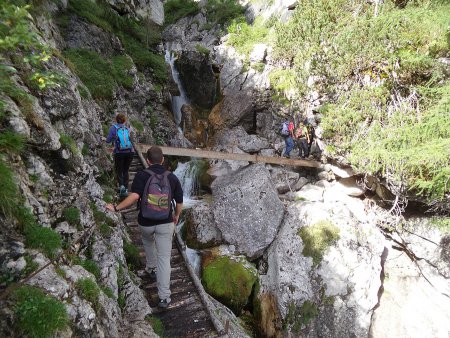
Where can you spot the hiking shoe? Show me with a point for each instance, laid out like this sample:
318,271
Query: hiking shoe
151,272
164,303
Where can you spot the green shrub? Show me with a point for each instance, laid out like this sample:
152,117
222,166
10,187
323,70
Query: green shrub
121,65
11,142
137,125
72,215
89,290
45,239
68,143
202,49
89,265
177,9
108,292
243,36
317,238
38,315
132,255
93,70
223,11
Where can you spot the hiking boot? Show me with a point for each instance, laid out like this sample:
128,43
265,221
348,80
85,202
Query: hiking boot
151,273
164,303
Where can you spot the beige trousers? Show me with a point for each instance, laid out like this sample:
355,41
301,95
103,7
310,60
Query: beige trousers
157,241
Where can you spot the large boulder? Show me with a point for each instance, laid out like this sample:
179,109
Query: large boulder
247,209
200,229
197,77
229,279
148,10
235,109
238,136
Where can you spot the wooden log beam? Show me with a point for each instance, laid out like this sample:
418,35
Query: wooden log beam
218,155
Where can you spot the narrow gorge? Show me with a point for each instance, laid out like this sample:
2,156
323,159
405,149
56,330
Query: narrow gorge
359,247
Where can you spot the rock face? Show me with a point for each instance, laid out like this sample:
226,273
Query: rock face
198,78
200,230
150,10
247,209
235,109
338,292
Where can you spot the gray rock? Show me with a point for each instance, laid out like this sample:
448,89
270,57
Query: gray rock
201,231
283,179
235,109
247,209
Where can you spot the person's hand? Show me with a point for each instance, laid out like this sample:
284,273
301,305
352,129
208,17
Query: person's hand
110,207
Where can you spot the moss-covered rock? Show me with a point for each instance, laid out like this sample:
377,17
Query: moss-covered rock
230,280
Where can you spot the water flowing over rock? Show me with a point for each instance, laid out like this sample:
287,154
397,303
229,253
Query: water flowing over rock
198,78
247,209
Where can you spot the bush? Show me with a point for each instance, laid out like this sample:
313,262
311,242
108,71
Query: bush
177,9
45,239
317,238
121,65
38,315
132,255
89,290
11,142
223,11
89,265
72,215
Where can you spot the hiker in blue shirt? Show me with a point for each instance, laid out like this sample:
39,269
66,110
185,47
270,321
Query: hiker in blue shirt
123,152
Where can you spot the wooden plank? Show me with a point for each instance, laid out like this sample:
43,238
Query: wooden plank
218,155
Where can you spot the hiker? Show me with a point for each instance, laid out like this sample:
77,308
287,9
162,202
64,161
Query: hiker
310,128
319,139
156,220
287,131
123,152
302,137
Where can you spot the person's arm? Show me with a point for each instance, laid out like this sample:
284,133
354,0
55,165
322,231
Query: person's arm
177,213
111,135
130,200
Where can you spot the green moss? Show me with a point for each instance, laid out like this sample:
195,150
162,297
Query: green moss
45,239
105,229
442,223
72,215
157,325
299,317
177,9
60,272
38,315
229,281
317,238
89,290
132,255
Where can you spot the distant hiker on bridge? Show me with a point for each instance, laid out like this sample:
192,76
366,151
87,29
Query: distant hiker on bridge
156,189
287,131
302,137
123,152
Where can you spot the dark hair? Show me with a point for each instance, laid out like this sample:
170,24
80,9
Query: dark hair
121,118
155,155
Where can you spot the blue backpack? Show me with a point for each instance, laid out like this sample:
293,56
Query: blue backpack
157,197
123,137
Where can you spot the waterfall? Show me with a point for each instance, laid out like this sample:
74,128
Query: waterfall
177,101
188,173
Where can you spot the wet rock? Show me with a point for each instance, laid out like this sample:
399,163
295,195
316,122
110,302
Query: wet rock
235,109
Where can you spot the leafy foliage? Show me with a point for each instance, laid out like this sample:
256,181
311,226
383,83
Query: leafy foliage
177,9
72,215
223,11
38,315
